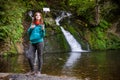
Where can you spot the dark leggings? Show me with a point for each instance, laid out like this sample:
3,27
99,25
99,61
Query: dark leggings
32,50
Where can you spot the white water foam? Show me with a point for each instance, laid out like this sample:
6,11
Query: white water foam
75,46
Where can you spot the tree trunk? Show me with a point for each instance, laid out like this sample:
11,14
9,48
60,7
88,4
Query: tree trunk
97,11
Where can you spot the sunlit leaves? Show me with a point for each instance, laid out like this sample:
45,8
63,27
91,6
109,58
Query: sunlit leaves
11,16
3,33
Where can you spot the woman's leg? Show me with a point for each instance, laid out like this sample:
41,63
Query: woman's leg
31,58
40,47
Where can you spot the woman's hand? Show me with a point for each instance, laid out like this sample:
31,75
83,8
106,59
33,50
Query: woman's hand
43,26
32,19
32,26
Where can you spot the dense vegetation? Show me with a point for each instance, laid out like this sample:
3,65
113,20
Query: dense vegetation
101,36
97,20
11,14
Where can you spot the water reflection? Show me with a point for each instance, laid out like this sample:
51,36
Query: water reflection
70,63
14,64
91,66
72,60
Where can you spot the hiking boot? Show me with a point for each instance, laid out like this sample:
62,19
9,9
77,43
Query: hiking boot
38,74
30,73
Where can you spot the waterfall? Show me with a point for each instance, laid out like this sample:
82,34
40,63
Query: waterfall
75,46
76,49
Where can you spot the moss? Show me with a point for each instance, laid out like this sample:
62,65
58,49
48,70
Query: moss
101,40
62,41
76,34
55,40
113,41
103,24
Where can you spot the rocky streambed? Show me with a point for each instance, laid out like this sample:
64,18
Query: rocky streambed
20,76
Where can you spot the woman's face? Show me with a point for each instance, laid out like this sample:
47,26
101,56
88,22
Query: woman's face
38,16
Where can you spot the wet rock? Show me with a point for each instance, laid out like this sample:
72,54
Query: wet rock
41,77
4,76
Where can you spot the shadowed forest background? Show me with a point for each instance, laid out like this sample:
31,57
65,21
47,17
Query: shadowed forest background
93,22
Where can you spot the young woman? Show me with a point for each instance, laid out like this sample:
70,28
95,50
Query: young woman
36,34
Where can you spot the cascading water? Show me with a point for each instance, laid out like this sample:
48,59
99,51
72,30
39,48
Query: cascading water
75,46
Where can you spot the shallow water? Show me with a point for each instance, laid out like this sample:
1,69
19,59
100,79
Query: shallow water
97,65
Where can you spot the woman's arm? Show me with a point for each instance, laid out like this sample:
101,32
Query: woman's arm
43,30
30,29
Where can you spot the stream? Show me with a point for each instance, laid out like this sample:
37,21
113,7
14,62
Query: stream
96,65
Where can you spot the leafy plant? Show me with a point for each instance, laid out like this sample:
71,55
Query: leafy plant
11,21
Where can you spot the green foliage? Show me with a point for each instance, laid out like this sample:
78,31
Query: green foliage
86,9
11,28
104,24
106,10
11,16
113,41
11,19
62,41
98,38
101,40
83,8
55,40
77,34
34,4
3,33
